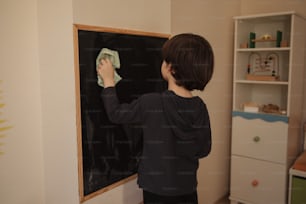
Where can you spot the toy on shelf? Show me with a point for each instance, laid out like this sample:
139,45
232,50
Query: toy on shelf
251,107
270,108
273,109
263,68
267,38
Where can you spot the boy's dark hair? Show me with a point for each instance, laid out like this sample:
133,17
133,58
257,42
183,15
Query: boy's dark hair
191,58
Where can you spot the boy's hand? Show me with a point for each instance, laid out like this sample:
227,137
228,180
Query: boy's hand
106,72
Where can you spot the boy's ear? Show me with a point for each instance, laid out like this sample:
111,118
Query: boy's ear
169,66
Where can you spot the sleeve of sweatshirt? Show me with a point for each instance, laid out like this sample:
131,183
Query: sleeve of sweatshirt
205,139
120,113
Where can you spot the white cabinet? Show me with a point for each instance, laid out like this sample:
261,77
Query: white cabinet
267,105
257,181
259,138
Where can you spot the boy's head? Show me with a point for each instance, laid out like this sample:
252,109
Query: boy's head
191,58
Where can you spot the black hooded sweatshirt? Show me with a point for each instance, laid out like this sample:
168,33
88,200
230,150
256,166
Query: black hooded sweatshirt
176,133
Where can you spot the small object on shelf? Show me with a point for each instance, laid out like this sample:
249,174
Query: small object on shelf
252,38
284,43
271,108
244,45
266,37
279,36
251,107
249,69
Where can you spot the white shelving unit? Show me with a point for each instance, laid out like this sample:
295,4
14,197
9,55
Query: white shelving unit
267,105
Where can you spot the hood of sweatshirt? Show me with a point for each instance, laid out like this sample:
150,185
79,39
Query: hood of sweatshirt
188,119
185,115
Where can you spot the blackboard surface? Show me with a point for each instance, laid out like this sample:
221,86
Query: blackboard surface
110,152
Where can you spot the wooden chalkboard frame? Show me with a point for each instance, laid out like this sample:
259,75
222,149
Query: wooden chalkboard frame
76,29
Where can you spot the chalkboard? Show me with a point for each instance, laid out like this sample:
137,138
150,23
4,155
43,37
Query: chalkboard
108,153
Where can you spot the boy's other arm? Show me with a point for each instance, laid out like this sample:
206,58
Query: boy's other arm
120,113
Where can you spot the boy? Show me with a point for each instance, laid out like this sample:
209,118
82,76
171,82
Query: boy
176,125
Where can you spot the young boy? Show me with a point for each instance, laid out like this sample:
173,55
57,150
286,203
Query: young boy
176,125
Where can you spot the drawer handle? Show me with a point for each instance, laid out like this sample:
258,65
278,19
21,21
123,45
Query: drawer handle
255,183
256,139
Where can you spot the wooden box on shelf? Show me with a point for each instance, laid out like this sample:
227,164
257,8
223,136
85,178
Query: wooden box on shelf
261,77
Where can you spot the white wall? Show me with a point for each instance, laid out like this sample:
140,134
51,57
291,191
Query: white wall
58,100
39,164
145,15
21,165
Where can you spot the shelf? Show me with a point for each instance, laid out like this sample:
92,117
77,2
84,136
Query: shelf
259,17
263,40
261,115
266,110
263,49
261,82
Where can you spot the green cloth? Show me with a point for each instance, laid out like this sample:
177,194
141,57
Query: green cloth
113,56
